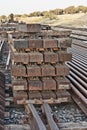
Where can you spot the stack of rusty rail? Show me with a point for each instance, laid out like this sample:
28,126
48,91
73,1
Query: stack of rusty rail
38,64
1,46
2,100
78,65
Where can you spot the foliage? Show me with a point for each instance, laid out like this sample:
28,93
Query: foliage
3,17
38,13
51,14
81,9
70,10
57,11
11,17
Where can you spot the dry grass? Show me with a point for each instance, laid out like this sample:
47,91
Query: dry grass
67,20
30,19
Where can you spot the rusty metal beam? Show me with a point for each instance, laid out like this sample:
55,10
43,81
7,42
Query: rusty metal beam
8,60
34,119
78,86
77,72
77,68
47,110
79,94
1,45
79,103
79,79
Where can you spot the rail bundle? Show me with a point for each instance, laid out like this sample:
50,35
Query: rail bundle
78,66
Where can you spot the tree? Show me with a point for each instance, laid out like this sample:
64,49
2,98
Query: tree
58,11
81,9
11,17
37,13
17,15
3,18
70,10
44,13
50,15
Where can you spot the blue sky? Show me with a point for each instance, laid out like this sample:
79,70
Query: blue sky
28,6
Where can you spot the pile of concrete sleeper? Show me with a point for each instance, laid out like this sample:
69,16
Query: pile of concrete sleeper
38,63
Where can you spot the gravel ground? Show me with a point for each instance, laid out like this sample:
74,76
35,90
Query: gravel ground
68,113
17,127
62,113
16,116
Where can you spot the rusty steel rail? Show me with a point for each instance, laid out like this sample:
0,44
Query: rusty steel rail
79,43
80,100
35,120
75,55
1,45
48,112
79,94
78,51
81,66
8,60
78,73
78,85
77,68
78,61
78,55
79,37
79,79
79,32
75,46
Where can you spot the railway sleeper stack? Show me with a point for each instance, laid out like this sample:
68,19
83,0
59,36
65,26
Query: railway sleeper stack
38,64
2,100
